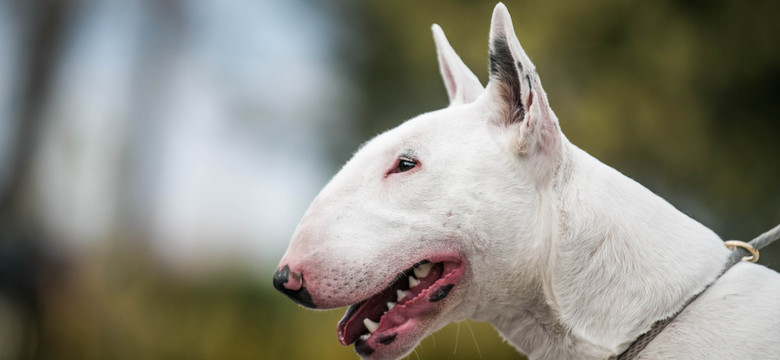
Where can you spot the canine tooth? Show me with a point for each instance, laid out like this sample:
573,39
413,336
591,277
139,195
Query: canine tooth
390,305
365,337
370,325
413,281
423,270
401,294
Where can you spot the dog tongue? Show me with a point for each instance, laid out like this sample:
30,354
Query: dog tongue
351,325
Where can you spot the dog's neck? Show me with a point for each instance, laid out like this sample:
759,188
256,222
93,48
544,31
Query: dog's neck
620,258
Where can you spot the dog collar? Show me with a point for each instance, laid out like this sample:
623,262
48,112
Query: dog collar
740,251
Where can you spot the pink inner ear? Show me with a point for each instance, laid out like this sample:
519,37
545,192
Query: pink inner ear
548,129
449,81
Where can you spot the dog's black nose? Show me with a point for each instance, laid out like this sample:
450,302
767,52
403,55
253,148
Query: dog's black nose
299,295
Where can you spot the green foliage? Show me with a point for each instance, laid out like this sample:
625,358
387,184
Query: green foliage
125,306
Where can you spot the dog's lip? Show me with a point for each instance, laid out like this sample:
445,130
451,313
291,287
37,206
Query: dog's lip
406,314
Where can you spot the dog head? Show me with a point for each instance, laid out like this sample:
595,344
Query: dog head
420,226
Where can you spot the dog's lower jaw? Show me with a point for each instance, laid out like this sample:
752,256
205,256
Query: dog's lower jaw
411,312
400,344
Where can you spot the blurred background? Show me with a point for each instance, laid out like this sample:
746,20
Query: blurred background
155,156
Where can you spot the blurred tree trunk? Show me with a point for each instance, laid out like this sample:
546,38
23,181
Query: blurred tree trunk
162,39
42,26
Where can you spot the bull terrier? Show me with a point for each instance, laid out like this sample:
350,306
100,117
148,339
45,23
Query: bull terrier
485,210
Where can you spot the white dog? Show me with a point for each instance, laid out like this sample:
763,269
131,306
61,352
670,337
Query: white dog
485,210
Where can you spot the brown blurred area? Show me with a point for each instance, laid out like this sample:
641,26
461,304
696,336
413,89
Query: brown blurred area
155,156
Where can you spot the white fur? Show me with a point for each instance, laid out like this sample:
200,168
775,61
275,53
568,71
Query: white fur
566,257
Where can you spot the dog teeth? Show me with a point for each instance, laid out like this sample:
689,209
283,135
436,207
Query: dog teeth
365,337
423,270
370,325
413,281
401,294
390,305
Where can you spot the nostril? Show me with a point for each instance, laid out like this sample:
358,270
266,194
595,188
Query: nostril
290,280
281,277
294,281
290,283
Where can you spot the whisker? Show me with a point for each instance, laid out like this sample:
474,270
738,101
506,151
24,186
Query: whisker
475,340
457,334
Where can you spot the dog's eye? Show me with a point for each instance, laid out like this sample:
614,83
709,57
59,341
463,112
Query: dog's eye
404,164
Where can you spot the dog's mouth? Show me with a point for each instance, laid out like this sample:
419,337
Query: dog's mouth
416,292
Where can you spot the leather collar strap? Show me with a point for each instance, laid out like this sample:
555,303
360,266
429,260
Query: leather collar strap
740,251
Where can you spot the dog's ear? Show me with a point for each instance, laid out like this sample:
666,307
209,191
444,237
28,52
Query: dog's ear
517,90
462,85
